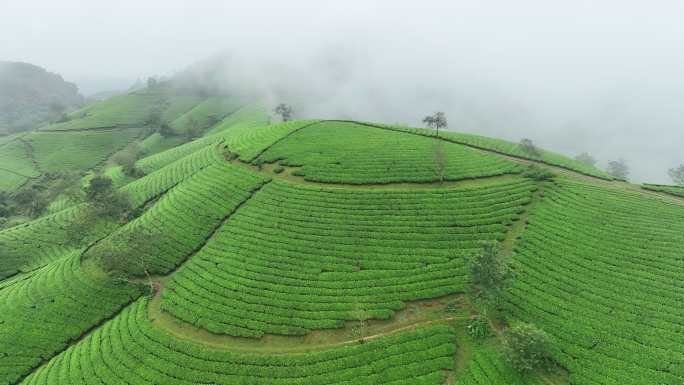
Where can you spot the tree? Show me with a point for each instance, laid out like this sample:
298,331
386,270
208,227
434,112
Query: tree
527,347
618,169
166,131
537,173
125,254
194,128
586,159
529,148
105,199
284,111
677,175
437,120
152,83
126,158
4,203
490,275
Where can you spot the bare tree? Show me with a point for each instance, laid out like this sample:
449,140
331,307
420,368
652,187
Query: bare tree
618,169
437,120
586,159
677,175
284,111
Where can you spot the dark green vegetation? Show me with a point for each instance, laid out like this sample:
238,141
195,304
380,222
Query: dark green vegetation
29,96
673,190
227,250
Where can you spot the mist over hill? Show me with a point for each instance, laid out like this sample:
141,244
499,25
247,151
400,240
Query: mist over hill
30,95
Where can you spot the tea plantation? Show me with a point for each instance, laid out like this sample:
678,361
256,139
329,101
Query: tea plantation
327,252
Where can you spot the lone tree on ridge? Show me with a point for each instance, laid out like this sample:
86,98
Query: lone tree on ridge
677,175
437,120
284,111
529,148
618,169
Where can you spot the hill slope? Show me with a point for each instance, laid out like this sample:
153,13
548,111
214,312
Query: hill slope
328,252
29,95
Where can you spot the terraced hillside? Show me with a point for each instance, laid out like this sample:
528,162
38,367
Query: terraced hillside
88,138
330,252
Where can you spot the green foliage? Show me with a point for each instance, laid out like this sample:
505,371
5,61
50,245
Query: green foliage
478,328
527,347
296,258
488,367
337,152
105,200
126,159
34,197
419,356
539,174
125,255
490,275
528,147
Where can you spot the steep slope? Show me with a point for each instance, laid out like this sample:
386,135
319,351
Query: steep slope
295,258
41,314
601,269
128,350
340,250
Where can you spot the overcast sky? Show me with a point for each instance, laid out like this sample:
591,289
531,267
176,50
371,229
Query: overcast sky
603,76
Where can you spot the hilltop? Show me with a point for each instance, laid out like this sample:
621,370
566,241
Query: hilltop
326,252
30,95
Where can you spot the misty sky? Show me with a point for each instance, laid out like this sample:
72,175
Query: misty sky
605,77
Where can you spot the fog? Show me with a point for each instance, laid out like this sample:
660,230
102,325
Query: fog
606,77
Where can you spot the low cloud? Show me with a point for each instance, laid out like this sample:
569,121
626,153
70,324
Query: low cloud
602,77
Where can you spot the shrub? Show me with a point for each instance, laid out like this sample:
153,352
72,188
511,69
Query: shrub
126,159
529,148
105,200
489,275
279,169
527,347
537,173
478,327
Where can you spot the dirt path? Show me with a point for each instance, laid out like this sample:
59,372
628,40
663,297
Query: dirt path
416,314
